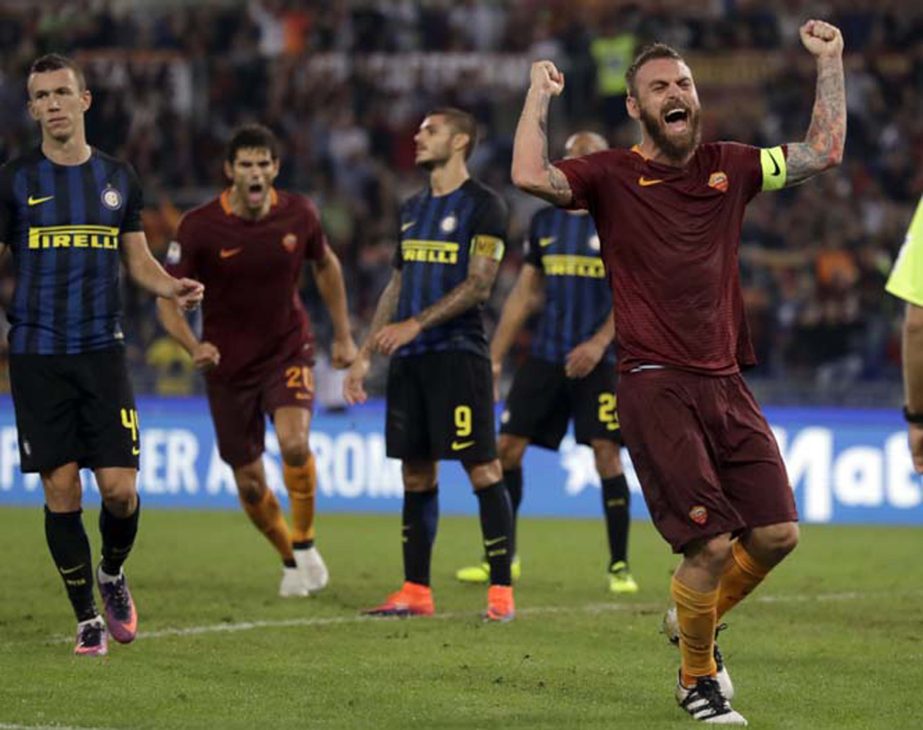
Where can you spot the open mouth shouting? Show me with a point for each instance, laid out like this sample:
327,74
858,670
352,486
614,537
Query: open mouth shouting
676,119
255,194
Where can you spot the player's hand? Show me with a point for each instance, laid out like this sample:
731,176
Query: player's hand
206,356
188,293
915,437
496,369
546,77
583,358
343,352
822,39
391,337
354,383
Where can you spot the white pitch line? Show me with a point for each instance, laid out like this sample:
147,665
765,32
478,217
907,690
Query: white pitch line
230,628
7,726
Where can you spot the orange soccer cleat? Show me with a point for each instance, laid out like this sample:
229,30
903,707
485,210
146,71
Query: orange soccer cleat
412,599
500,605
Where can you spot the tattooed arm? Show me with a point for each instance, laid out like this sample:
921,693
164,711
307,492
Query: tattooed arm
532,172
474,290
823,145
354,383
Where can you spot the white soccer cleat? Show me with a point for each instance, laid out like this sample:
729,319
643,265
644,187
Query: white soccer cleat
706,703
294,584
312,568
670,628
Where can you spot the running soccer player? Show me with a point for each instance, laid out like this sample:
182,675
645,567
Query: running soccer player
249,246
669,214
71,215
439,392
571,368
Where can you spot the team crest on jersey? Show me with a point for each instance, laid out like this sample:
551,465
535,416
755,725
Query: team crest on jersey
111,198
718,181
594,242
449,223
174,252
698,514
290,240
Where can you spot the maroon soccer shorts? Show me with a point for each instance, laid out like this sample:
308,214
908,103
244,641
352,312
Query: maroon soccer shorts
239,410
705,456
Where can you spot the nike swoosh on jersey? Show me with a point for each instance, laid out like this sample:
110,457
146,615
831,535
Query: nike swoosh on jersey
406,226
39,201
645,182
226,253
459,445
546,241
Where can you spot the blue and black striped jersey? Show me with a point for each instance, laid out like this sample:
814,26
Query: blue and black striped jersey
63,224
437,236
565,247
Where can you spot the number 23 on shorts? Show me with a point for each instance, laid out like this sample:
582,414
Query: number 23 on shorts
608,411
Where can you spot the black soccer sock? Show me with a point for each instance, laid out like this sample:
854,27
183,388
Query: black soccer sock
497,529
420,519
118,535
512,478
70,550
616,501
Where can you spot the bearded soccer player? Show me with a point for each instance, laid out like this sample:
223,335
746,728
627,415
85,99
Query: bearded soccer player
257,350
669,215
570,372
71,215
439,393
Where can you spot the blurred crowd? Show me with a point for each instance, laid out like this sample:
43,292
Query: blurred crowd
345,84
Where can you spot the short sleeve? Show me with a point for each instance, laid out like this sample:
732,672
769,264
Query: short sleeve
584,175
488,228
180,259
134,205
906,280
315,236
533,247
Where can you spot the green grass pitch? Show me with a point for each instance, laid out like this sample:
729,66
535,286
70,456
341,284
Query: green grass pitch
834,639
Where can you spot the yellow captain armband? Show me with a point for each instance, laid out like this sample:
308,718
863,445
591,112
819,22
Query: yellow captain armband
490,246
772,161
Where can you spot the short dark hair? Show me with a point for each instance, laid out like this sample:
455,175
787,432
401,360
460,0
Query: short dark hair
462,123
648,53
55,62
250,136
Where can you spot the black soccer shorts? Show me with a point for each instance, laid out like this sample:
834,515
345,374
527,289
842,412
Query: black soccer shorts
440,406
543,399
74,408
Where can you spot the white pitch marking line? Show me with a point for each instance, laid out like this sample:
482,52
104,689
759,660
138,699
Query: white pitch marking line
231,628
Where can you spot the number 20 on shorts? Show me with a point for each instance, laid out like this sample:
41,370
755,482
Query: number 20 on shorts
608,412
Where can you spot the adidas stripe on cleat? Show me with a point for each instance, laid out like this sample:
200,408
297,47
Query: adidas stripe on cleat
670,628
706,703
412,599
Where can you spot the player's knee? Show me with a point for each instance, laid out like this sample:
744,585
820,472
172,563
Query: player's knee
608,460
510,452
711,554
777,540
419,477
250,487
295,450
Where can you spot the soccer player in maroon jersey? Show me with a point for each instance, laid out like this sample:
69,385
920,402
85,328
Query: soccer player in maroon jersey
669,214
257,349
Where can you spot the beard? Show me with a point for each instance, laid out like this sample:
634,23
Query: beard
675,147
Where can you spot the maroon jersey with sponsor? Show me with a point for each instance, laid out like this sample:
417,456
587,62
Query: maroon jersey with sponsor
252,311
669,238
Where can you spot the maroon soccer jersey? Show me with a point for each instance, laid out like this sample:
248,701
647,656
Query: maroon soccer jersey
252,311
669,238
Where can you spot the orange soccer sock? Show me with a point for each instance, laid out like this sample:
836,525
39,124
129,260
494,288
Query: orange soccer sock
301,483
697,619
741,575
266,514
